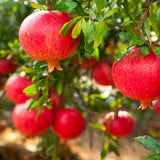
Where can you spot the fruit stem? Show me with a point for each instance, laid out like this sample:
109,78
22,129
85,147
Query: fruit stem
49,5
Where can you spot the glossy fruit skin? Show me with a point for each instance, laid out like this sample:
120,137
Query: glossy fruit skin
39,38
137,77
120,125
69,123
14,88
7,66
102,73
157,106
24,120
86,63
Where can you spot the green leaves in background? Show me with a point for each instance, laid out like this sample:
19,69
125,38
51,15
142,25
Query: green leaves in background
110,12
104,151
97,126
100,4
31,90
132,32
136,42
156,50
153,157
76,30
36,6
125,36
147,29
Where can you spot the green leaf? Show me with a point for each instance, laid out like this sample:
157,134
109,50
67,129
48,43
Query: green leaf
132,32
147,29
100,4
110,12
28,103
100,30
149,143
104,151
65,6
36,6
97,126
76,30
95,54
88,31
30,89
43,2
144,50
158,40
121,55
156,50
153,157
136,42
124,36
114,149
59,88
66,27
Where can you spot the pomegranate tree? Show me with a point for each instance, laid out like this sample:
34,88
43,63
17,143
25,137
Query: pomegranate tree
137,77
102,73
25,120
39,37
69,123
86,63
157,106
14,88
119,125
7,66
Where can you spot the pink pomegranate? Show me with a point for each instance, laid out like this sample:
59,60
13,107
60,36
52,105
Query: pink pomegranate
14,88
39,37
119,125
137,77
24,120
86,63
102,73
69,123
7,66
157,106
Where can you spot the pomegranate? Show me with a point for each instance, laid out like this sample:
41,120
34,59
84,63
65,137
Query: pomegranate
102,73
86,63
39,37
119,125
157,106
69,123
14,88
7,66
24,120
137,77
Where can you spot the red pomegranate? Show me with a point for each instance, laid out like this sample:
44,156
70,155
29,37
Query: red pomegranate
69,123
39,38
119,125
102,73
24,120
14,88
137,77
7,66
56,100
157,106
86,63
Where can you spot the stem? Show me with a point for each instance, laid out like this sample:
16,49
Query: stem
89,2
48,93
49,5
111,24
139,26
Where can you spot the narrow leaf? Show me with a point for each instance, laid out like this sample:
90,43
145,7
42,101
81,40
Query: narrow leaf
100,4
144,50
121,55
30,89
65,6
100,30
59,87
147,29
124,36
76,30
153,157
136,42
28,103
158,40
43,2
132,32
112,11
42,99
97,126
95,54
114,149
104,151
156,50
36,6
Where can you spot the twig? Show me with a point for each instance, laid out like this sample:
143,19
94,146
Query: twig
139,26
89,2
49,5
111,24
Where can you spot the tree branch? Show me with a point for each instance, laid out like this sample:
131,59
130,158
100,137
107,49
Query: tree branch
49,5
139,26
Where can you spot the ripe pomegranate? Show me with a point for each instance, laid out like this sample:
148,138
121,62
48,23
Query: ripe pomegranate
86,63
39,38
157,106
7,66
137,77
24,120
56,100
119,125
14,88
102,73
69,123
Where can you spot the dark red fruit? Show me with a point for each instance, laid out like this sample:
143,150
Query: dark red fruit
7,66
102,73
120,125
137,77
24,120
69,123
39,37
86,63
157,106
14,88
